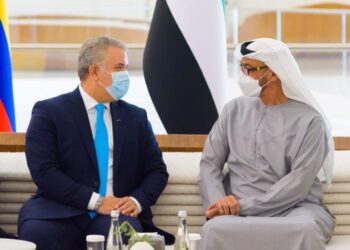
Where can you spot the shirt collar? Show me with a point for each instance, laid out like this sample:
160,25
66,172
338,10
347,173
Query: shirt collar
89,102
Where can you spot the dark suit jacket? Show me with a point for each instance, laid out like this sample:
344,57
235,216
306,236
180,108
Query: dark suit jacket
62,160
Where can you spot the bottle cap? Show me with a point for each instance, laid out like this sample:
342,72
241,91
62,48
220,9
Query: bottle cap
114,213
182,213
95,238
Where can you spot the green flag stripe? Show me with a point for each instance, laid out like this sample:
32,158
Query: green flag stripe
224,8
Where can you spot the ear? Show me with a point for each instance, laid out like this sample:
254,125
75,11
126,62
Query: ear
93,71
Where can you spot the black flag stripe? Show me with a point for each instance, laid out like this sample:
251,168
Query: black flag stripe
174,79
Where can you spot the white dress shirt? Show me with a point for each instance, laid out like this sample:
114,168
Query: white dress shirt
90,104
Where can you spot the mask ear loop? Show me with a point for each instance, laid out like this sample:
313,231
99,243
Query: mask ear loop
99,82
268,82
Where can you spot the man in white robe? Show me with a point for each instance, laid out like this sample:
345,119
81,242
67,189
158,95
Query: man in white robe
274,141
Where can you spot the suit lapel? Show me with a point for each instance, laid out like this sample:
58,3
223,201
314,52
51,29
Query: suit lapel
79,113
119,123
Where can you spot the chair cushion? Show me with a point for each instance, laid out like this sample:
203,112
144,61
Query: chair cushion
339,242
182,192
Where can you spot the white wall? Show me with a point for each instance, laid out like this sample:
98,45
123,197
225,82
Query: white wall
129,9
281,3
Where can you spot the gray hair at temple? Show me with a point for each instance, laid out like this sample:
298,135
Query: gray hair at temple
93,52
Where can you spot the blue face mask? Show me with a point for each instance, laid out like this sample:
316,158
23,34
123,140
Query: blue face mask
120,84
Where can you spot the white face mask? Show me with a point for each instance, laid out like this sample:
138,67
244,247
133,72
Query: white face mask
250,86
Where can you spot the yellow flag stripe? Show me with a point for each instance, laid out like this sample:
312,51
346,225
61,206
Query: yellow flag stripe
3,18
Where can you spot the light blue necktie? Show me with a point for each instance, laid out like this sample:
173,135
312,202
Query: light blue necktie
101,148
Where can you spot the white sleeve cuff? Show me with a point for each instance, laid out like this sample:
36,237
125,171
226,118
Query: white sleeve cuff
139,208
93,200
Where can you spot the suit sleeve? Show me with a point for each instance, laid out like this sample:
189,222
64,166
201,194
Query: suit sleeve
155,175
43,161
295,186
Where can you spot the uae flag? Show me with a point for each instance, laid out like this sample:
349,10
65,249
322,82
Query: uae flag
185,64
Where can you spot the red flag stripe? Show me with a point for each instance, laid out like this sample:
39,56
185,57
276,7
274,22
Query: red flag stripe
5,125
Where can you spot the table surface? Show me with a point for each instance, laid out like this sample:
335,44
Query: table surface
11,244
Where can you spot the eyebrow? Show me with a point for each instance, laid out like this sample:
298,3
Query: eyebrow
247,64
120,65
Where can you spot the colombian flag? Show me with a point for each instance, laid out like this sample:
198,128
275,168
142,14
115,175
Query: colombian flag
7,111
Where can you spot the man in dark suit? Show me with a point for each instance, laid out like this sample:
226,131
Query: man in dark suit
89,153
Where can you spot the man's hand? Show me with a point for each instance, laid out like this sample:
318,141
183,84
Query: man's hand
127,206
224,206
108,204
212,211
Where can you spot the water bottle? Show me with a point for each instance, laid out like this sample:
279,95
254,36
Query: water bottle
114,240
182,241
